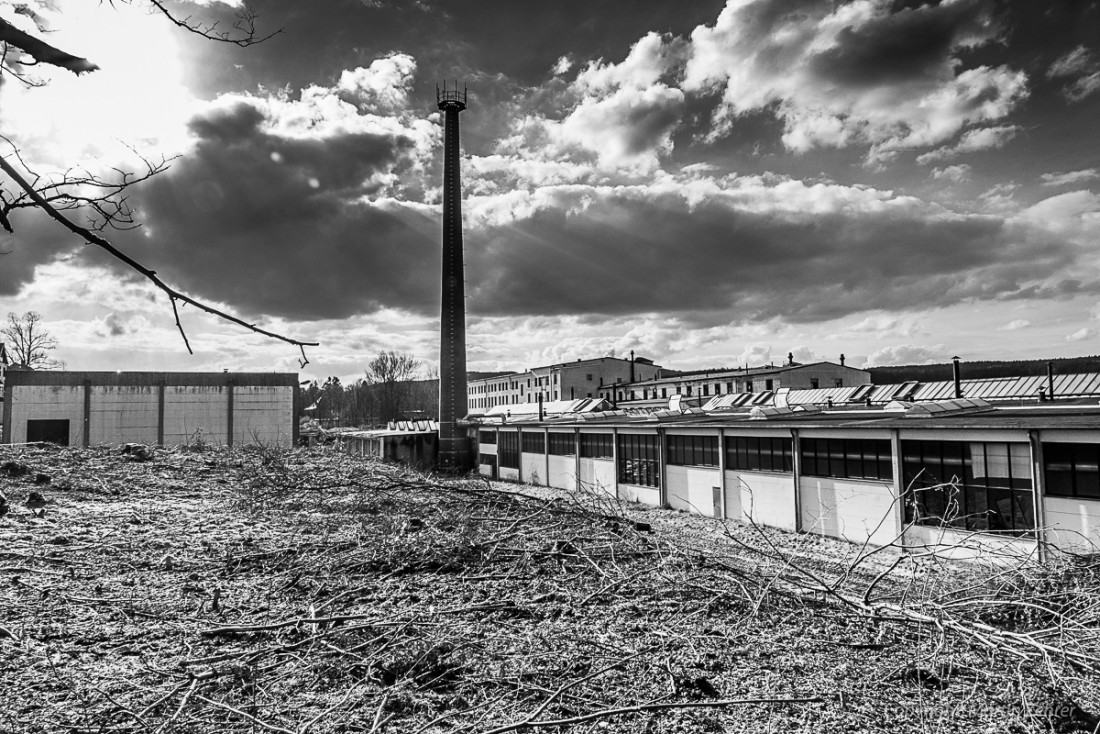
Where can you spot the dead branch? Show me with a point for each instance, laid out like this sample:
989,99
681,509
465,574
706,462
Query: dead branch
42,52
174,296
642,708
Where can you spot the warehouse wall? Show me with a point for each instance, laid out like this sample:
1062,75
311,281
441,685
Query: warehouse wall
43,402
142,406
852,510
1073,523
692,489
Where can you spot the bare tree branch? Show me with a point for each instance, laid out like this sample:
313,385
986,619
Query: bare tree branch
42,52
245,27
91,237
103,196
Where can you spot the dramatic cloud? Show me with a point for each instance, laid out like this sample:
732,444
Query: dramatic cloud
868,72
722,250
1080,66
285,207
618,118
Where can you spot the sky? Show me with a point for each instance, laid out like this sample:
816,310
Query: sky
713,183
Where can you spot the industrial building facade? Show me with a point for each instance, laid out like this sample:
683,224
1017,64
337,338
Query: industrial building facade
585,378
697,387
166,408
961,475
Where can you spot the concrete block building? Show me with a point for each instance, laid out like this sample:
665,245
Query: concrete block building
166,408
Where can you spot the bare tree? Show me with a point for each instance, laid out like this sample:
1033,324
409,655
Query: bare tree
102,198
29,344
390,374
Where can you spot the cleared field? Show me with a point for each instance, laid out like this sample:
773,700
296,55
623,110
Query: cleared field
248,591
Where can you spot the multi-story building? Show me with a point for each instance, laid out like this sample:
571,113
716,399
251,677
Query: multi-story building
698,387
585,378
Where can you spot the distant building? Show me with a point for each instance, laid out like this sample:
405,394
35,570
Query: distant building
585,378
696,388
167,408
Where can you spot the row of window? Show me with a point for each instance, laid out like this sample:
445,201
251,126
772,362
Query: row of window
1070,469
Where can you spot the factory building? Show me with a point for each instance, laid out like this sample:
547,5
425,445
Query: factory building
1002,477
166,408
584,378
695,388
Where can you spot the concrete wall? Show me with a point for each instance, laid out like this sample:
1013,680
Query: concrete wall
533,468
951,543
122,414
190,409
852,510
44,402
691,489
646,495
763,498
1073,524
598,474
563,472
508,474
262,414
126,406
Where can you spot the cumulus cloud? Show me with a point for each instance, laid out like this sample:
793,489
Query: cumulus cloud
1070,178
869,72
985,138
903,354
1080,66
1015,325
616,117
1081,335
383,86
955,174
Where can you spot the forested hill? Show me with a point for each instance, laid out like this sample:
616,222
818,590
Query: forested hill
980,370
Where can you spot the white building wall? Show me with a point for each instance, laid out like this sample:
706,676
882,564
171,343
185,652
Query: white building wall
691,489
262,414
646,495
508,474
763,498
598,474
853,510
959,544
47,402
1073,524
122,414
533,468
191,408
563,472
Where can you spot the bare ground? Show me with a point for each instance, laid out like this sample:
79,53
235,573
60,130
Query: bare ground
256,590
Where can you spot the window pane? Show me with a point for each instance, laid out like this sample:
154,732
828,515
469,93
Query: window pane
1019,459
996,464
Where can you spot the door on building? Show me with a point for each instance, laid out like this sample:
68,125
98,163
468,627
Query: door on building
48,431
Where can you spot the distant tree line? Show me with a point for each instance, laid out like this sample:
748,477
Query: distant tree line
394,387
982,370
